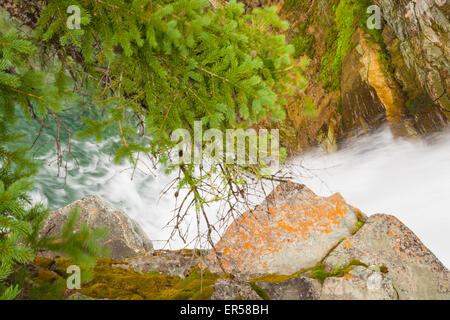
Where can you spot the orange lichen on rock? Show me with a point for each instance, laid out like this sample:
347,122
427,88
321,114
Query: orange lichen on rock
346,244
285,224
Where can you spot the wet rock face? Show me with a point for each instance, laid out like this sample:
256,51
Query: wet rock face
361,105
384,241
421,40
401,76
291,230
126,238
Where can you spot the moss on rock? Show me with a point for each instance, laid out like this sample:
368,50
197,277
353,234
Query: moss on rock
114,280
321,274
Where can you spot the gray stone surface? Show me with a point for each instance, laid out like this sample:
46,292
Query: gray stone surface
359,284
228,289
126,238
300,288
421,29
174,263
384,241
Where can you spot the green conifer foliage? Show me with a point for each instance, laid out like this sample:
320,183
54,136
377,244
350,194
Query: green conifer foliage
155,66
160,65
20,221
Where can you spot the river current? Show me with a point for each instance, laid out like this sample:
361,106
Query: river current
375,173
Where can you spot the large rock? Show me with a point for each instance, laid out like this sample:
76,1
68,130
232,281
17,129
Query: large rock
291,230
126,238
384,241
359,284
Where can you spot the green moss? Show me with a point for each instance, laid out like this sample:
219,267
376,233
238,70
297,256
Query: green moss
273,278
320,274
42,290
47,275
309,107
348,16
197,286
151,272
383,269
303,42
118,283
419,103
42,262
339,106
259,291
41,285
360,222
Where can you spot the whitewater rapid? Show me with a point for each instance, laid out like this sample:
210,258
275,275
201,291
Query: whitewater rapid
376,173
380,174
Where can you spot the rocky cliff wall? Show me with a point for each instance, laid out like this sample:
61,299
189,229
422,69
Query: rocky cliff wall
360,78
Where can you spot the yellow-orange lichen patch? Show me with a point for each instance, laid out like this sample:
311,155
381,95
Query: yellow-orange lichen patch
347,244
264,232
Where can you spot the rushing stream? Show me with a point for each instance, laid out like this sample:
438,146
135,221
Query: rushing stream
376,173
379,174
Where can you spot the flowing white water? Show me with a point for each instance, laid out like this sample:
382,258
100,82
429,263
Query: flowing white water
376,173
380,174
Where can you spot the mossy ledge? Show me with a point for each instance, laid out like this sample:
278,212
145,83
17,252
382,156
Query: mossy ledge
108,280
